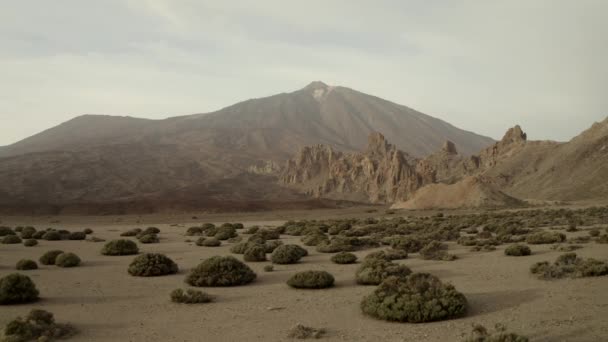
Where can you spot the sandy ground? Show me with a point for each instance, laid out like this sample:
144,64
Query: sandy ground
107,304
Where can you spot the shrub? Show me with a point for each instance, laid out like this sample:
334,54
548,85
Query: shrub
39,325
407,243
88,231
484,248
545,237
303,332
148,238
26,264
436,250
221,271
39,234
388,254
314,239
344,258
311,280
30,242
288,254
190,297
419,298
11,239
194,231
152,265
255,253
252,230
67,260
28,232
241,248
77,236
120,247
570,265
51,235
268,268
518,250
4,231
50,257
481,334
225,232
374,271
16,288
150,230
270,246
131,232
602,238
208,242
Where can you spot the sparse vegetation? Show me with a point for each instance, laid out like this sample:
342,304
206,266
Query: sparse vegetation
38,325
30,242
26,264
51,235
4,231
67,260
50,257
268,268
131,232
288,254
221,271
11,239
190,296
255,253
481,334
302,332
152,265
148,238
373,271
388,254
344,258
77,236
436,250
545,238
120,247
419,298
311,280
208,242
570,265
518,250
16,288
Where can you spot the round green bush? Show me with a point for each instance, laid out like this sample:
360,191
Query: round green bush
51,235
208,242
221,271
518,250
545,238
11,239
67,260
288,254
311,280
17,288
344,258
419,298
30,242
152,265
271,245
28,232
190,297
148,238
50,257
268,268
436,250
131,232
77,236
120,247
225,232
255,253
39,234
388,254
26,264
88,231
4,231
194,231
38,325
374,271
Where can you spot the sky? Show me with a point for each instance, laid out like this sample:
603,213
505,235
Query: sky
482,65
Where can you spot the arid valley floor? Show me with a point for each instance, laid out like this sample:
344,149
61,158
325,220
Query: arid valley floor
105,303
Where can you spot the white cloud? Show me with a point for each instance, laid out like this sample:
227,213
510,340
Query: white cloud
481,65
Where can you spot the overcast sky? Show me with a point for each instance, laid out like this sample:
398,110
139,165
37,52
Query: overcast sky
480,65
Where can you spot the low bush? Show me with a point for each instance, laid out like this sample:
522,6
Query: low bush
26,264
38,325
270,246
4,231
565,248
255,253
221,271
302,332
194,231
225,232
288,254
77,236
50,257
67,260
148,238
344,258
419,298
28,232
11,239
518,250
120,247
252,230
374,271
152,265
594,232
602,238
569,265
16,288
30,242
436,250
190,297
131,232
51,235
481,334
408,243
388,254
311,280
268,268
314,239
38,235
88,231
545,238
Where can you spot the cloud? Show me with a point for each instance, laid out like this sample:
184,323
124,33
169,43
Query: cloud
481,65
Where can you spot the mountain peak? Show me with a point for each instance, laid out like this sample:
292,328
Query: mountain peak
316,85
514,134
